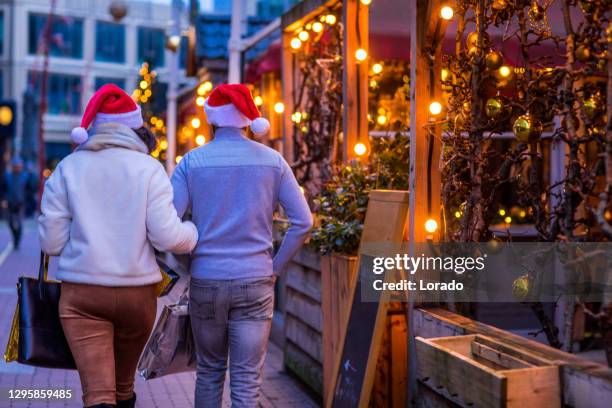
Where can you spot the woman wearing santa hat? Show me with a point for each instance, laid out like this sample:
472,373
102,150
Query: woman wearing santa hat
233,185
104,210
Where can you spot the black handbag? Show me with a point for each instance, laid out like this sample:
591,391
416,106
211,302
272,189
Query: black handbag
42,342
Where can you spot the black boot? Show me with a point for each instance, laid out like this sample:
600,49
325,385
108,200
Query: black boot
131,403
104,405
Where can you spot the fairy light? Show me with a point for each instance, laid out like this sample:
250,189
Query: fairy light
502,212
303,36
200,140
366,2
431,226
208,86
381,119
295,43
143,84
377,68
435,108
508,220
195,123
457,214
178,159
163,145
361,55
317,27
446,12
258,100
200,101
360,149
330,19
444,74
279,107
505,71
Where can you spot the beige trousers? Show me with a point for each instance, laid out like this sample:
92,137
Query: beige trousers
107,328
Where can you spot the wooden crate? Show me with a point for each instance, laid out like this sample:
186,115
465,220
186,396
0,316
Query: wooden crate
479,371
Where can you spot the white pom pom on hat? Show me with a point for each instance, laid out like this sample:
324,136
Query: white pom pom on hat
79,135
260,126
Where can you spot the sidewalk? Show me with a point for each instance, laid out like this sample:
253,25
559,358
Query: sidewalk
176,391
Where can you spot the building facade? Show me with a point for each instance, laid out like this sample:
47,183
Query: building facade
88,49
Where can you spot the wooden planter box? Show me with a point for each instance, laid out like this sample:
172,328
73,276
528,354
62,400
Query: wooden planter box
479,371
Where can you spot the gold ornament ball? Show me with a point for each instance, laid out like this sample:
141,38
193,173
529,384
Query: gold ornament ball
592,106
493,107
521,288
583,53
467,107
494,60
499,5
527,129
472,40
118,9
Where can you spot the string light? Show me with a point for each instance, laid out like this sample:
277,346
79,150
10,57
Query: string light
505,71
200,140
360,149
303,35
208,86
195,123
178,159
508,220
446,12
361,55
143,84
279,107
444,74
366,2
295,43
431,226
330,19
317,27
502,212
435,108
377,68
457,214
381,119
258,100
200,101
163,145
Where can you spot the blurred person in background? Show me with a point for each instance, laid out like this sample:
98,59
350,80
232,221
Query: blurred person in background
16,189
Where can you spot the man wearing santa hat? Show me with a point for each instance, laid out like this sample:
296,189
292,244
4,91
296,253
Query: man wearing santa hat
232,186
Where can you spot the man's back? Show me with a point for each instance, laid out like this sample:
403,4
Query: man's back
233,186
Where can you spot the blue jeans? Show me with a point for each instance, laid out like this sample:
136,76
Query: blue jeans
234,315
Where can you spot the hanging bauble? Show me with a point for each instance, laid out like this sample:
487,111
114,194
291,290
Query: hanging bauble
499,5
536,12
472,40
493,107
467,107
521,287
609,32
583,53
592,107
526,128
587,6
118,9
494,60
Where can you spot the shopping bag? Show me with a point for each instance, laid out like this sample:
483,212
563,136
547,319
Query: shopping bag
169,279
36,336
171,347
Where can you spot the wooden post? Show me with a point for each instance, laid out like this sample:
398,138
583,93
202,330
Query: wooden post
426,35
355,78
288,78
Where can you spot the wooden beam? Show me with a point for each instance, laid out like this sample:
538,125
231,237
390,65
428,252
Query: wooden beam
303,11
355,78
289,79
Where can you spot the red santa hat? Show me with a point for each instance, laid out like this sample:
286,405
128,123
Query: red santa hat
109,104
232,105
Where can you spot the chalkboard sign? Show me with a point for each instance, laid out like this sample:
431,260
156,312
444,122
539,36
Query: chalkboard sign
361,345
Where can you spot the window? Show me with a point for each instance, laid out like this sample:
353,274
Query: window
120,82
1,34
63,92
183,49
1,85
151,46
110,42
66,35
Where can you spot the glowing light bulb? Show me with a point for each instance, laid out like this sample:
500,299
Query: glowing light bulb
446,12
295,43
508,220
360,149
200,140
279,107
163,145
431,226
457,214
361,55
200,101
366,2
195,123
143,84
302,189
377,68
505,71
258,100
435,108
381,119
502,212
330,19
303,35
444,74
208,86
178,159
317,27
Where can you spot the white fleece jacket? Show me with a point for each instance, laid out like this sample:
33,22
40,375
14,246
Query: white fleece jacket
104,209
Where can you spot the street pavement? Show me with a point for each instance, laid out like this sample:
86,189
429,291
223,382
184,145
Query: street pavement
279,389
